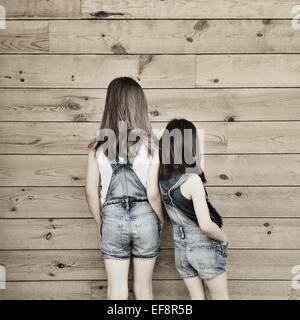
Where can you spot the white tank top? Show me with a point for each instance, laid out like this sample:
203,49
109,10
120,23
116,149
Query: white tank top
140,166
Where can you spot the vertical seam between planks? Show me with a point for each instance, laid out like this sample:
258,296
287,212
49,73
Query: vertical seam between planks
91,290
49,51
227,133
195,70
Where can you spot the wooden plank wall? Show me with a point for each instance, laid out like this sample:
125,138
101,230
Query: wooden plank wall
230,66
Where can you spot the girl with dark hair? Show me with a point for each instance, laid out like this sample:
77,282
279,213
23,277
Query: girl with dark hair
120,157
177,179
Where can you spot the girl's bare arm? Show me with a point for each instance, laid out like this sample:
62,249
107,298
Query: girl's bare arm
197,194
92,187
153,193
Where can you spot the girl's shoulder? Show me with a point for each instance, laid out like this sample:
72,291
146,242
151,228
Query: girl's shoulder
99,153
189,180
193,178
193,181
142,155
102,159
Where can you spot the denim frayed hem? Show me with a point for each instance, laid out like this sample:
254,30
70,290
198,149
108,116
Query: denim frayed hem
189,276
111,256
146,257
213,276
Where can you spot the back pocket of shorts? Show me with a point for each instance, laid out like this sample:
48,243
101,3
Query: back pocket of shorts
202,257
148,233
111,235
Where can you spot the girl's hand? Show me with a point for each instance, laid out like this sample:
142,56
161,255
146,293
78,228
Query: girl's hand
98,222
161,226
225,241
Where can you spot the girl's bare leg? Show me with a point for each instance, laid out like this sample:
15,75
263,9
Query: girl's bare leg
218,287
195,287
117,278
142,278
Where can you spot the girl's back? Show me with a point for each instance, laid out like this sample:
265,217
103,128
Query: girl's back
119,160
125,178
200,244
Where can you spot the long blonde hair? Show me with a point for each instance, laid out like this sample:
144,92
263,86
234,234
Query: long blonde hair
125,101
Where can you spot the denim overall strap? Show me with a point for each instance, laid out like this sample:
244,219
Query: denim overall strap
182,221
119,164
129,166
166,194
178,183
125,186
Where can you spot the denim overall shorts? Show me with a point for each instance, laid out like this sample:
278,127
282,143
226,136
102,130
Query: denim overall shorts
195,253
130,227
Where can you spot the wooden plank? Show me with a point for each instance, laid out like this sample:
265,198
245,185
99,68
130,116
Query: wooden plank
45,138
235,170
54,265
115,9
258,233
256,201
264,137
52,104
167,289
225,104
40,9
47,290
250,137
70,202
252,170
36,170
92,71
49,234
262,264
53,202
238,290
24,37
202,104
263,290
244,233
247,71
177,36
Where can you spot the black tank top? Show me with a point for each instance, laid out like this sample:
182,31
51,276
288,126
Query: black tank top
179,200
186,205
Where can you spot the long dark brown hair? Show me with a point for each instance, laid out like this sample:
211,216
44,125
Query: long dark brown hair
125,101
178,146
